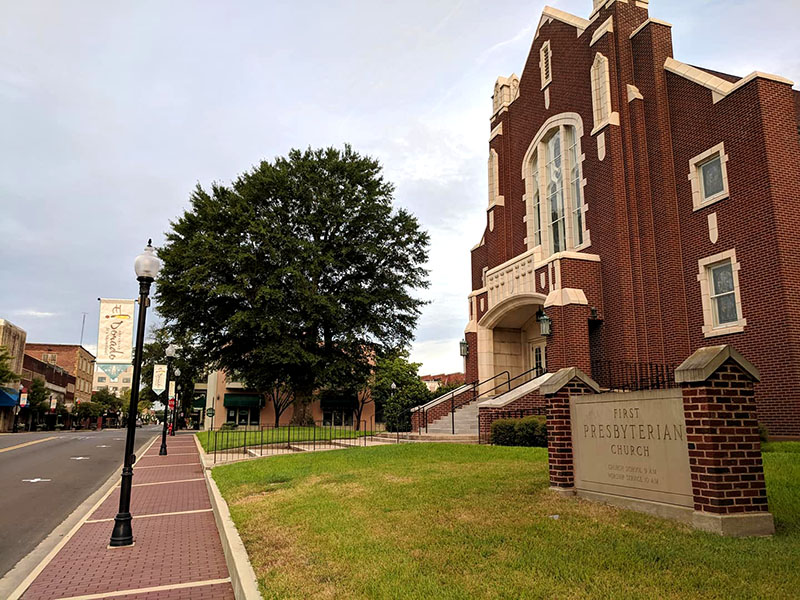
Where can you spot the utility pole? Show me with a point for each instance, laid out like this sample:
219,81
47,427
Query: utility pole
83,325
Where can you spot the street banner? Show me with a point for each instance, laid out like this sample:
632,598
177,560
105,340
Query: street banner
172,390
115,336
53,402
23,400
159,378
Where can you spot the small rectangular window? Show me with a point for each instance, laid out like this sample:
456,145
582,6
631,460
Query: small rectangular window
711,174
101,380
723,297
709,177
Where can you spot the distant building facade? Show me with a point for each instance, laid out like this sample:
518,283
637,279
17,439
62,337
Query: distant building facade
120,385
639,208
13,338
434,382
75,359
234,403
59,383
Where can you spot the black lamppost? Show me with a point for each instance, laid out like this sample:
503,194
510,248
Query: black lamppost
170,352
146,267
175,406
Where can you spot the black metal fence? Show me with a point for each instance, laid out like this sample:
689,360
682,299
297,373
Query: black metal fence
237,443
633,376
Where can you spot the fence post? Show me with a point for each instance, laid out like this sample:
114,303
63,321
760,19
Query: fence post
452,413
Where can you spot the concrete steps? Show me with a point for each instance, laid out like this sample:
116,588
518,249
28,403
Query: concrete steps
465,420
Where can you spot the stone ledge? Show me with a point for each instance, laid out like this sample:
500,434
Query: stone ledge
704,363
739,525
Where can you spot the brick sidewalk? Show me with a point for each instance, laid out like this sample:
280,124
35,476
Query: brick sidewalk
177,552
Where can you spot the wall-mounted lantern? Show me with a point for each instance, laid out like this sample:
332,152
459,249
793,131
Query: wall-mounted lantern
464,348
544,322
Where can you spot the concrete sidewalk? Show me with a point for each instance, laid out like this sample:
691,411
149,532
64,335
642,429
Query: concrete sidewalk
177,552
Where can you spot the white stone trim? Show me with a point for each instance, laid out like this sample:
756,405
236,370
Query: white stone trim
606,27
601,146
565,296
479,244
718,86
646,23
549,14
634,93
506,90
709,330
496,131
495,199
613,119
713,228
694,177
602,112
560,120
599,4
546,64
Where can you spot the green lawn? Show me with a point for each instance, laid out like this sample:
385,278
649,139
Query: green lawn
274,435
419,521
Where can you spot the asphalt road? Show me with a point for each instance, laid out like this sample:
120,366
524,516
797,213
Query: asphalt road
67,467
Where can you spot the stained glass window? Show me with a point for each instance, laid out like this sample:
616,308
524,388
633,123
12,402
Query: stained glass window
723,296
711,172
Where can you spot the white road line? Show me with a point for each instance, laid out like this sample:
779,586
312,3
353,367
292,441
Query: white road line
157,588
22,587
166,514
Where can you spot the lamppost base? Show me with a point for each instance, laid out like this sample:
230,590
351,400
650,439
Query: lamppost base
162,451
123,533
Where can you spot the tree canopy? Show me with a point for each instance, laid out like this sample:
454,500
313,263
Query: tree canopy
297,273
7,374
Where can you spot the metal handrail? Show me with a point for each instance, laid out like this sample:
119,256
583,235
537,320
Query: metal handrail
540,371
475,385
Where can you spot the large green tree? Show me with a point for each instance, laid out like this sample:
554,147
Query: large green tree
7,374
294,272
397,389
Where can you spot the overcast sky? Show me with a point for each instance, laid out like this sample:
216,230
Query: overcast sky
111,112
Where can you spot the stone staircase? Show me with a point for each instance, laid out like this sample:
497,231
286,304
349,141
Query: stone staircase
465,419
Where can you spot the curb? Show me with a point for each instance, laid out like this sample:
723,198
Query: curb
243,577
41,556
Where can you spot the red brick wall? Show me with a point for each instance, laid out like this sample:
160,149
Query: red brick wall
529,404
559,434
724,447
641,216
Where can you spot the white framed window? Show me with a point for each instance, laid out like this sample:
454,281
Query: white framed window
546,64
601,92
708,175
101,379
719,289
554,201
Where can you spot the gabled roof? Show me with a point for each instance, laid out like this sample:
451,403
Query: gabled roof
553,14
718,86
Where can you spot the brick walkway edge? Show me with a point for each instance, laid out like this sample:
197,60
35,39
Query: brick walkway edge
176,554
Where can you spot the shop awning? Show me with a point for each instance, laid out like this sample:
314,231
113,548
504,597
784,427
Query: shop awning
242,401
8,397
199,403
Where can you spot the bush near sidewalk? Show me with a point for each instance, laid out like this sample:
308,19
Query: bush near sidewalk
527,431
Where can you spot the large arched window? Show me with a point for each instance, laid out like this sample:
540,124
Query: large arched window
554,188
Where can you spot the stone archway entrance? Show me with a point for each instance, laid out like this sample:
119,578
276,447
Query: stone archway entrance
510,339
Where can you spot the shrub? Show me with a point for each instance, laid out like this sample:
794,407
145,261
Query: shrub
527,431
504,432
227,426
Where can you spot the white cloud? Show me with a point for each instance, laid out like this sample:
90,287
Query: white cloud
437,356
39,314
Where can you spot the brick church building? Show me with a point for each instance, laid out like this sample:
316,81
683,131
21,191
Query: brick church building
639,208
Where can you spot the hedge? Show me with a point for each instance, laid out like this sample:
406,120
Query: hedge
528,431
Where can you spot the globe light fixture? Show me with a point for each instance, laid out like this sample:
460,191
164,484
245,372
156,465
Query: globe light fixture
146,267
